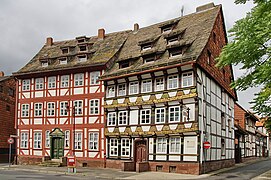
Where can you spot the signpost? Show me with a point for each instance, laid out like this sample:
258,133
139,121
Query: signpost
71,164
206,145
10,142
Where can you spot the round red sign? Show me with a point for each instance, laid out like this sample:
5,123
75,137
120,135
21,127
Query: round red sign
206,145
10,140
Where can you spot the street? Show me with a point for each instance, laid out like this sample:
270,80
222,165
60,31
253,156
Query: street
239,172
245,172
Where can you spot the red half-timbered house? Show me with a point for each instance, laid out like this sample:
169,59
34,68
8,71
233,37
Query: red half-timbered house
60,100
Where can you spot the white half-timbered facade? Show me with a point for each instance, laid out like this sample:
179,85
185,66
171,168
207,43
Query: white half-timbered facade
165,98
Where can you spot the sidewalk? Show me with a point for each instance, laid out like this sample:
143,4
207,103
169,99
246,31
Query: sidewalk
117,174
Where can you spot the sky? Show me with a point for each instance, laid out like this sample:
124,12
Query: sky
25,24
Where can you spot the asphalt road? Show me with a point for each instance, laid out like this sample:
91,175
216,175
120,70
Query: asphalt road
245,172
29,175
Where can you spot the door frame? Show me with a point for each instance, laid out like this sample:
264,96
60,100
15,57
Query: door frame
56,133
136,141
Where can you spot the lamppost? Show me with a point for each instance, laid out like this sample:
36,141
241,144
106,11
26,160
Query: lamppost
71,160
73,124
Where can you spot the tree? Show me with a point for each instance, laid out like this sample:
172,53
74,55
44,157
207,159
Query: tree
250,48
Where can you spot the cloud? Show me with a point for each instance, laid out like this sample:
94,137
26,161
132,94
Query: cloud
26,24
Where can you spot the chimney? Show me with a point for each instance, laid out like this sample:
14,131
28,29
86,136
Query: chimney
136,27
2,74
49,41
101,34
205,7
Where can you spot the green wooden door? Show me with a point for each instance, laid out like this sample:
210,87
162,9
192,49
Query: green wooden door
58,147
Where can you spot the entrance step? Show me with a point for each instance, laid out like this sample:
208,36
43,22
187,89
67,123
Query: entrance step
50,164
56,160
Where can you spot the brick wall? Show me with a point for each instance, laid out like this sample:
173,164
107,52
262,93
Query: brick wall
239,116
215,44
7,115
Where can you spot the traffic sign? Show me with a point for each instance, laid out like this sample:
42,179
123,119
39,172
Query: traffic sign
206,145
10,140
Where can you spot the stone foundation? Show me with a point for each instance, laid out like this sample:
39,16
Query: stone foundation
215,165
90,163
29,160
245,159
175,167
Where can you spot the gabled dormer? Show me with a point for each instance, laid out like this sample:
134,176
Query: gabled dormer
167,27
148,44
81,39
44,62
174,36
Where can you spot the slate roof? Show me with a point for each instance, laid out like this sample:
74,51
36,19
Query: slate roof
194,28
3,78
100,51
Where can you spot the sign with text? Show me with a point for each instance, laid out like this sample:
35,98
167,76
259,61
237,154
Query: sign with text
71,161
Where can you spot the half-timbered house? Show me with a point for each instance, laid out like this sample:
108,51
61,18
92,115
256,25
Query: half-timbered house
165,97
60,100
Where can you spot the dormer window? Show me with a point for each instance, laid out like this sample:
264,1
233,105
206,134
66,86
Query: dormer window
175,52
148,59
65,50
166,29
124,64
146,47
44,63
172,40
63,60
82,58
82,48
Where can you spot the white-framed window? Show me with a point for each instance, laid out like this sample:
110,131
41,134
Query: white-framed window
78,140
160,115
51,82
78,107
223,147
24,140
37,140
63,60
146,85
65,79
133,87
125,147
159,84
121,89
174,114
145,116
38,109
63,108
123,116
111,119
93,141
187,79
25,110
82,58
47,138
174,145
26,85
173,81
79,79
44,64
94,77
161,145
111,91
50,109
113,147
67,139
94,106
39,83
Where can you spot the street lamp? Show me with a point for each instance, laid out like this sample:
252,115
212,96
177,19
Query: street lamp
73,123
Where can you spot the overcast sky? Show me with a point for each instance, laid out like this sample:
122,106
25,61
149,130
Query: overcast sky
25,24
